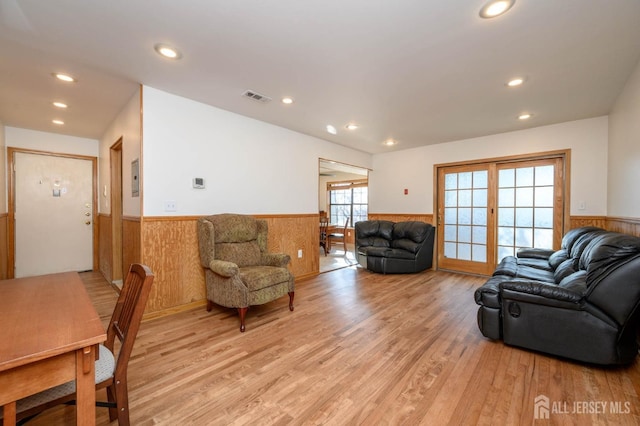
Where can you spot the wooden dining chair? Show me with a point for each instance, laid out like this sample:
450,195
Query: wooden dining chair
111,366
324,225
340,236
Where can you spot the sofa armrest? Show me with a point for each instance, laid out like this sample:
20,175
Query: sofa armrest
519,289
535,253
280,260
224,268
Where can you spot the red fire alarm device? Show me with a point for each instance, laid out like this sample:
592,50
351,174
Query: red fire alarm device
406,191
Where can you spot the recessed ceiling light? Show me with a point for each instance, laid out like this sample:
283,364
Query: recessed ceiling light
287,100
496,8
58,122
352,126
525,116
167,51
331,129
60,105
515,82
390,142
64,77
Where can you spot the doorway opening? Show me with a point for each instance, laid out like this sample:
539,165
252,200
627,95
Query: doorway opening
342,201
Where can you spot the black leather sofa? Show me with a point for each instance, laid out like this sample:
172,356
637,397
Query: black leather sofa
394,248
580,302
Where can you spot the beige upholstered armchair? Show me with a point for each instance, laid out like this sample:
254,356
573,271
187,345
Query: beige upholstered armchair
238,270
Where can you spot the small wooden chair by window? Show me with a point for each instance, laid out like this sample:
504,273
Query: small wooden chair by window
324,224
340,236
111,367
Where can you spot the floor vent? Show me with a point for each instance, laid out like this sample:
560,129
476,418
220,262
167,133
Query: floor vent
251,94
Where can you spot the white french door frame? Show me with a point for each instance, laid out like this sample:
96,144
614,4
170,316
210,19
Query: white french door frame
492,164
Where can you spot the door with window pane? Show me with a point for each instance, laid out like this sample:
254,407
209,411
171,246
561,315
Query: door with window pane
465,234
529,204
490,210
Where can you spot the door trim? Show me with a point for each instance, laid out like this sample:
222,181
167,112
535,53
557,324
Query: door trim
115,167
11,226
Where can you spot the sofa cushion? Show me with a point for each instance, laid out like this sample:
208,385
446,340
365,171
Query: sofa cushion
374,233
233,228
363,243
375,251
557,258
400,253
412,230
259,277
406,244
535,274
508,266
610,253
563,270
573,234
242,254
489,293
575,282
580,244
533,262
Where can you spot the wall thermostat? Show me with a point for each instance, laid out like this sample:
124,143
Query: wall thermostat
198,183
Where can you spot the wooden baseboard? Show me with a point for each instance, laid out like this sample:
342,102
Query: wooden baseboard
175,309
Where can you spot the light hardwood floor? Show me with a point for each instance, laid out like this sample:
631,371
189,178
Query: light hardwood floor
360,348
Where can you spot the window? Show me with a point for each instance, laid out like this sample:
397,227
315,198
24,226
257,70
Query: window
348,200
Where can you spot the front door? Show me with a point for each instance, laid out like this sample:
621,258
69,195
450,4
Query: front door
53,214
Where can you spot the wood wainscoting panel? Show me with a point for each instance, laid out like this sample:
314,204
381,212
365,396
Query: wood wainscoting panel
170,249
580,221
4,255
627,225
131,235
402,217
290,233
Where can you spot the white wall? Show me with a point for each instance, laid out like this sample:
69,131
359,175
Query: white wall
413,169
249,166
624,151
52,142
126,126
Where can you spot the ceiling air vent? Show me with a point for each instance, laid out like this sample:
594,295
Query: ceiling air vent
251,94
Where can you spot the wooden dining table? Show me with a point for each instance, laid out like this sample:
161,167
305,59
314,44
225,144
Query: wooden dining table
50,335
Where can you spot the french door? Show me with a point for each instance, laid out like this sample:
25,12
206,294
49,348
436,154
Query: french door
487,211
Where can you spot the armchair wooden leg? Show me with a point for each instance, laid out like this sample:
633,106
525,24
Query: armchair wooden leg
291,294
242,312
209,305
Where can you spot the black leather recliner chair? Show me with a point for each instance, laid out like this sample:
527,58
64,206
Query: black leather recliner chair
581,302
394,248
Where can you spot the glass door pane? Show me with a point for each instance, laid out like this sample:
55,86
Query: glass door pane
463,218
526,195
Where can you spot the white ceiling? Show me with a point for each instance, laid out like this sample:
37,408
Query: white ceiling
418,71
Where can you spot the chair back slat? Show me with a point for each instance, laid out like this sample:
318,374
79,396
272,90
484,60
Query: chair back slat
128,312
